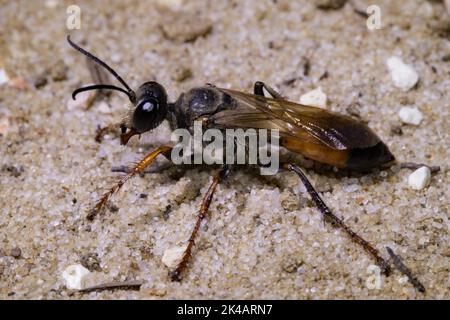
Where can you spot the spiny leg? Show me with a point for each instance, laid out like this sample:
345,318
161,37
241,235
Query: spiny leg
176,274
398,263
258,90
320,204
138,168
154,169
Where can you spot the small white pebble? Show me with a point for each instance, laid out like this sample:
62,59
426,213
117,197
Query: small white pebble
172,256
51,4
420,178
73,276
351,188
116,57
84,100
171,4
403,75
3,77
103,107
403,280
316,98
410,115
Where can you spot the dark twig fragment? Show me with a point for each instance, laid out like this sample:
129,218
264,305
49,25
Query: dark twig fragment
414,166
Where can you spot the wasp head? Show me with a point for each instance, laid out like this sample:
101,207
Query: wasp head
148,110
149,103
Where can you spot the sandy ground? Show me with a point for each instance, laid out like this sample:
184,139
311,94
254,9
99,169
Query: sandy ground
259,240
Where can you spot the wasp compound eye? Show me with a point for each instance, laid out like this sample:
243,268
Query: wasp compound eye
151,107
145,115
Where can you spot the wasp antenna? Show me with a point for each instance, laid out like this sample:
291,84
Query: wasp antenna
130,92
98,86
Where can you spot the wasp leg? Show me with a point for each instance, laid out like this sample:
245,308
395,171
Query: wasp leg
330,217
175,275
138,168
258,90
158,168
154,169
101,131
398,263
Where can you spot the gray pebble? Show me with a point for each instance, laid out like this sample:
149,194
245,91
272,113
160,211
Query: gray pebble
16,252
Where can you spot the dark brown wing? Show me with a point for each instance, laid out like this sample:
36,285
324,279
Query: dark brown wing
309,124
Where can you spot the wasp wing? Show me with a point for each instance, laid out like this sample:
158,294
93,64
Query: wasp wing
310,124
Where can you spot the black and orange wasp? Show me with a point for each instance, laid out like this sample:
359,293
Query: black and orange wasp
315,133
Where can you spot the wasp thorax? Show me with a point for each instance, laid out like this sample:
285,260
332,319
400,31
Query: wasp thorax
151,107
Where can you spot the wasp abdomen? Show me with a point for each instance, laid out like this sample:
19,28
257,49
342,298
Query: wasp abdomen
371,157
